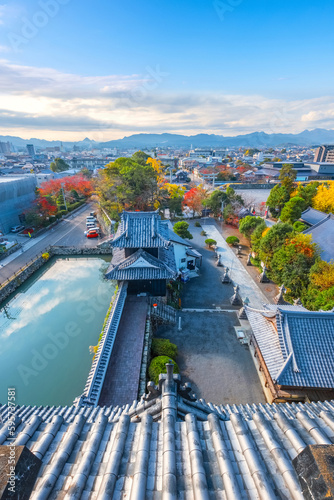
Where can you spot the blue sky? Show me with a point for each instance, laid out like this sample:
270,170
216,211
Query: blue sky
106,69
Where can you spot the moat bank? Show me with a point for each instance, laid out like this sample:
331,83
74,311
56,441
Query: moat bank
47,328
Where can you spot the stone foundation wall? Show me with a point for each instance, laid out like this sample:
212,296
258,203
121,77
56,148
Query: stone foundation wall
10,251
81,251
20,278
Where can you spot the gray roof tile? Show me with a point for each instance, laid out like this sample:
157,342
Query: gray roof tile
297,345
141,230
323,234
238,452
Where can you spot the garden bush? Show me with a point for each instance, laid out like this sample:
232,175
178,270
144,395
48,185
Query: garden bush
203,233
75,205
232,240
62,212
158,365
163,347
197,224
210,242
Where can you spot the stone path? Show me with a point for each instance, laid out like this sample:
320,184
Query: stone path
122,378
247,286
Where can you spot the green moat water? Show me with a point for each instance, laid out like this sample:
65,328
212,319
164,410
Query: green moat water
47,328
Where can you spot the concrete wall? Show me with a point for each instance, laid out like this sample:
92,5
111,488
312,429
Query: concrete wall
16,196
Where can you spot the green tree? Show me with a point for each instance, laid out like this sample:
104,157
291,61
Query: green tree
287,177
59,165
299,226
175,206
214,202
232,240
307,192
140,157
210,242
181,229
128,185
277,198
291,264
273,240
293,209
257,236
248,224
86,172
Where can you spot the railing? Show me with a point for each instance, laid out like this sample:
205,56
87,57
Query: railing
23,268
159,309
95,380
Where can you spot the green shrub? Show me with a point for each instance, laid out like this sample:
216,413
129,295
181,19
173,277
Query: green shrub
210,242
61,207
158,365
75,205
197,224
232,240
163,347
203,233
62,212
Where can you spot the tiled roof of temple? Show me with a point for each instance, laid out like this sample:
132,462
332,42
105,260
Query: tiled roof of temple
297,345
138,266
169,443
312,216
141,230
323,234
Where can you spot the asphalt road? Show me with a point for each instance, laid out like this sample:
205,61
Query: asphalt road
69,232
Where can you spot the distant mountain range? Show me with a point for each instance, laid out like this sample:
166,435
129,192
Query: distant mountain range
255,139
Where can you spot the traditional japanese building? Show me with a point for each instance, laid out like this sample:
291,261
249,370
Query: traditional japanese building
143,254
294,348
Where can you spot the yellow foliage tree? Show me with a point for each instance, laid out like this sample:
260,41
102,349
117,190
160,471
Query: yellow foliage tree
324,199
174,190
322,275
159,169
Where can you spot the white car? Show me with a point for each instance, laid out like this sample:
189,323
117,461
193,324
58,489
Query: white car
16,229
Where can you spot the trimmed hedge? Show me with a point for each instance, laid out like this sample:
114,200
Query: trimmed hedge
62,212
163,347
75,205
232,240
158,365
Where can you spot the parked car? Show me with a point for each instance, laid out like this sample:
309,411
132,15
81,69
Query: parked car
92,234
16,229
93,214
97,229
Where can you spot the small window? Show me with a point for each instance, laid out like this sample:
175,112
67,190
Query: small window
183,260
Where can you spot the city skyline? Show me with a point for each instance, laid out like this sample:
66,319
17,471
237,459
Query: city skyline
226,67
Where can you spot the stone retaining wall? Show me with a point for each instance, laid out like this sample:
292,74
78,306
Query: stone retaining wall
80,251
10,251
20,278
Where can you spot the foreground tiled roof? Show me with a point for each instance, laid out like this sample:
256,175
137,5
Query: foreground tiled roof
141,230
169,446
138,266
312,216
297,345
323,234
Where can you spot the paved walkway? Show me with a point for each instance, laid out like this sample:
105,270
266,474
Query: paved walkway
247,286
122,378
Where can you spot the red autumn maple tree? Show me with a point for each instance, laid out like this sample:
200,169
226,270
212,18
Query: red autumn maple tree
79,183
194,199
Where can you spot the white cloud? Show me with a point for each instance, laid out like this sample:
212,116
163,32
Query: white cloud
47,103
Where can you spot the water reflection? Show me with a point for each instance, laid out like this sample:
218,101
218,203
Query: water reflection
46,332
